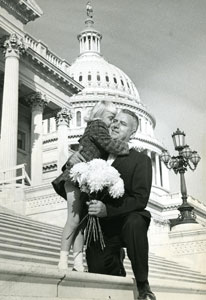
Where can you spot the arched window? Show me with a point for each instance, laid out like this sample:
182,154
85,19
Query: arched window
78,119
115,80
89,77
107,78
122,82
140,125
80,77
98,77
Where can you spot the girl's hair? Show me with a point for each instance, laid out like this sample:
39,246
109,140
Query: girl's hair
97,111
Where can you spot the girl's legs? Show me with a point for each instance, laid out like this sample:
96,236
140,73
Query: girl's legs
68,235
78,252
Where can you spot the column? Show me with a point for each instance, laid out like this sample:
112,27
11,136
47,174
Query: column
37,102
149,153
63,118
87,39
13,48
165,176
157,169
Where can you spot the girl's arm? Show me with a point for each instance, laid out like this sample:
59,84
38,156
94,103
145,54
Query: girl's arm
99,134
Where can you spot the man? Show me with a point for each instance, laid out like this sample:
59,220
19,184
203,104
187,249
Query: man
125,221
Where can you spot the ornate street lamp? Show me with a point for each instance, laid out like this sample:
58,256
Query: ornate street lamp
179,164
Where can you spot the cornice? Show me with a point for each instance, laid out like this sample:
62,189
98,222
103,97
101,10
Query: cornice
148,141
22,10
61,79
75,136
92,97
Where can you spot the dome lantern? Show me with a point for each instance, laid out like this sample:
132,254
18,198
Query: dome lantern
89,38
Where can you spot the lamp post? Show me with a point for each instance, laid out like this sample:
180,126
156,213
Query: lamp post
179,164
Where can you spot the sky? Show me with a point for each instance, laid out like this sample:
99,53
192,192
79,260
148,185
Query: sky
160,45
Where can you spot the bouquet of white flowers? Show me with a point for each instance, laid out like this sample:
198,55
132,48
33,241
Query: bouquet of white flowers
98,179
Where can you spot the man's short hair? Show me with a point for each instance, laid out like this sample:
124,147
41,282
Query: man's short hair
132,114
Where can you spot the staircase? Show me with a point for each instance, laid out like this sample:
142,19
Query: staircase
29,253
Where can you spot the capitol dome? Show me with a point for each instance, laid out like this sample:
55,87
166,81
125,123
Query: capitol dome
98,75
104,81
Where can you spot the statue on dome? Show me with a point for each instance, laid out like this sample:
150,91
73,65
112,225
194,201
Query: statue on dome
89,10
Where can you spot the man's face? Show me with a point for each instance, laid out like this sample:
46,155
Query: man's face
122,127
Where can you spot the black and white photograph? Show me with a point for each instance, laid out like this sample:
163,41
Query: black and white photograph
102,150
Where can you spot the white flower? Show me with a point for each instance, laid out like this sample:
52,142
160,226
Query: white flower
117,190
78,172
97,175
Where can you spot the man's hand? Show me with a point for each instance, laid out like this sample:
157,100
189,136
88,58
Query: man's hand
97,208
76,158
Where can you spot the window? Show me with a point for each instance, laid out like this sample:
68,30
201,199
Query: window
80,77
89,39
78,119
122,82
89,77
140,125
115,80
98,77
107,78
21,142
128,85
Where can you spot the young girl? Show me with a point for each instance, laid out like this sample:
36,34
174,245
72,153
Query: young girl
95,143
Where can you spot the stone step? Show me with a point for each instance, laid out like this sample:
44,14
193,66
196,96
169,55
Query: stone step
20,281
45,251
5,254
46,258
29,238
31,280
32,244
37,251
29,232
5,215
29,253
25,228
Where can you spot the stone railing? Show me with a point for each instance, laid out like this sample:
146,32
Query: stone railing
43,50
14,177
41,198
72,133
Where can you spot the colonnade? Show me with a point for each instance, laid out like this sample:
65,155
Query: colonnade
159,170
13,48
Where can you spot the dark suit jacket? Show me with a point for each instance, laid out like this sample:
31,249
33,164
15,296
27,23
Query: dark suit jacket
136,172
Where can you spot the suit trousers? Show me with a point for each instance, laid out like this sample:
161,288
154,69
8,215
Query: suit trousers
130,232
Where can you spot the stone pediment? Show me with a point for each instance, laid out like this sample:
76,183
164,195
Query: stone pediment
24,10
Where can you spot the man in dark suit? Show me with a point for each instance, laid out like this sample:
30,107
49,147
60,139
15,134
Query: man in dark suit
125,221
